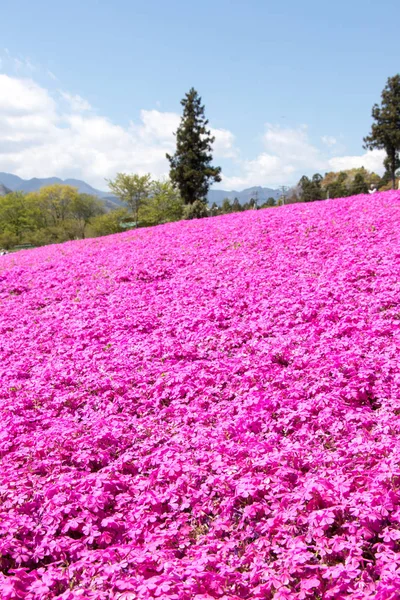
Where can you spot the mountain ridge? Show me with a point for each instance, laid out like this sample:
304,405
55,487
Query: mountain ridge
15,183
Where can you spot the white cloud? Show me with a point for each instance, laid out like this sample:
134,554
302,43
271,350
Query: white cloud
224,144
75,102
291,144
289,154
44,134
156,125
371,160
24,97
329,140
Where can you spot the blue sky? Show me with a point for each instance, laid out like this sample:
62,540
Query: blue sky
288,86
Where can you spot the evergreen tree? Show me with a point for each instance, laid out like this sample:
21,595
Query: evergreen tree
311,188
214,210
236,206
338,188
385,130
226,206
197,210
253,203
190,167
359,185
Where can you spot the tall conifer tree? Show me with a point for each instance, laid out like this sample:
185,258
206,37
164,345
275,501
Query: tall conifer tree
190,167
385,130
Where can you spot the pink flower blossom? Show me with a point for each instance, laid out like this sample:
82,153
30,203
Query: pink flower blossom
205,409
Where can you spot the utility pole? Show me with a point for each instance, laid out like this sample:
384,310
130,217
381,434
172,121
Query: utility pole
284,189
255,200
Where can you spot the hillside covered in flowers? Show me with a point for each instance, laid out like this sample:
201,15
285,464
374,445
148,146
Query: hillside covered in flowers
205,409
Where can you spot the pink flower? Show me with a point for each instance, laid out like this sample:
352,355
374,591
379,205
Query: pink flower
205,409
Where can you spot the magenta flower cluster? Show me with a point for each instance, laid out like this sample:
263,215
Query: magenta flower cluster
205,409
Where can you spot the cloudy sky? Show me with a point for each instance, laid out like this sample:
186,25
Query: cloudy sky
90,89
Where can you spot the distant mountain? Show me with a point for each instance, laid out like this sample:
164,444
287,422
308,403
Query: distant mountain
10,181
244,196
4,190
15,183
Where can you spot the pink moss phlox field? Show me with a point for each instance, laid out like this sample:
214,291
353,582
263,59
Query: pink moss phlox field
205,409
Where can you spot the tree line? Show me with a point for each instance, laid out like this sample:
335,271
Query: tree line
58,213
338,185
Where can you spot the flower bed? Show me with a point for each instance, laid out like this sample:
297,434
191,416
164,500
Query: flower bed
205,409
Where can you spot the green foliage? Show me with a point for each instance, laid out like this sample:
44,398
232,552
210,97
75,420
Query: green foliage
311,189
190,167
15,217
108,223
55,213
359,185
214,210
58,213
335,185
268,203
163,205
7,240
196,210
236,206
386,182
338,188
252,203
132,189
54,202
292,198
226,206
385,129
349,182
83,209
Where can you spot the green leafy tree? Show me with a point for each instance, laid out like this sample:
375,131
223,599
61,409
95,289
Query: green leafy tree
359,185
386,181
134,190
214,210
226,206
197,210
311,189
236,206
338,188
190,167
292,197
108,223
7,240
14,216
84,208
385,129
55,202
163,206
306,189
269,202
